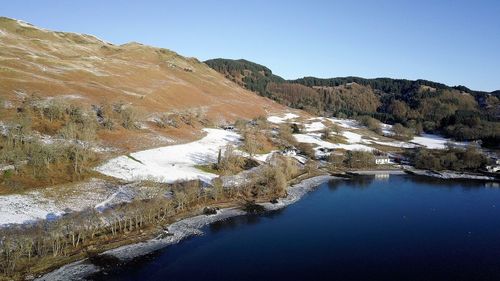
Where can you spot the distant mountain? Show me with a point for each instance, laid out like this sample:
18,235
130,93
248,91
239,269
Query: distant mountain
456,111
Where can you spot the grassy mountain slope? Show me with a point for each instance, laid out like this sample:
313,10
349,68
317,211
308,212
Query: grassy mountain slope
85,68
69,101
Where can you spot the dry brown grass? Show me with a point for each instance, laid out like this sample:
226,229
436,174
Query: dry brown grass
151,79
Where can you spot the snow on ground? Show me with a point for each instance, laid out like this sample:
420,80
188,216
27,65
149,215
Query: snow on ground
386,129
352,137
434,141
263,157
314,126
345,123
426,140
52,202
166,163
307,138
280,120
171,163
401,144
19,208
312,136
29,25
123,195
297,191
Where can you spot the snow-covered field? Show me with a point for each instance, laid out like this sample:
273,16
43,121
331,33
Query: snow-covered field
352,137
345,123
386,129
49,203
434,141
313,139
279,120
357,140
177,163
21,208
171,163
166,164
314,126
400,144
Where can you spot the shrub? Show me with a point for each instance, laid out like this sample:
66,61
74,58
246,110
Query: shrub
296,128
307,150
55,110
402,133
325,133
371,123
253,140
336,160
229,162
452,158
128,118
359,159
240,124
104,114
285,135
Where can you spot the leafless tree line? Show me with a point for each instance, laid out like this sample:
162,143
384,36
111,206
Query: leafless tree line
23,247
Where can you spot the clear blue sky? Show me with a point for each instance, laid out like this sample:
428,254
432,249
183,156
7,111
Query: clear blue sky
454,42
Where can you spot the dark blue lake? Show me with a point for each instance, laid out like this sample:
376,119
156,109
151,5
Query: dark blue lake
399,228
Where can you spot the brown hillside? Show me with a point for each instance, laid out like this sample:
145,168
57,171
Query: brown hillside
90,71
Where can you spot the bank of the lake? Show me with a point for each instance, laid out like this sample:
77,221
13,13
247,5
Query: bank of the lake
175,233
367,228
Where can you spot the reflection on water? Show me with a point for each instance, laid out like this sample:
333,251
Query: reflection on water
235,222
382,176
492,184
358,182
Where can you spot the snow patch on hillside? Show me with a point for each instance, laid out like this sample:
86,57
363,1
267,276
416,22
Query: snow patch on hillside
386,129
19,208
400,144
29,25
314,126
434,141
345,123
280,120
352,137
50,203
171,163
312,139
123,195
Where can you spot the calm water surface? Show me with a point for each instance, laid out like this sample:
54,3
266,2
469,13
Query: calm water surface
400,228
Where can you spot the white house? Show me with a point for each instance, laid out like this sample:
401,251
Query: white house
382,160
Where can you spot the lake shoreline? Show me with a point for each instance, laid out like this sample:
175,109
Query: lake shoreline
444,175
450,175
191,226
178,231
